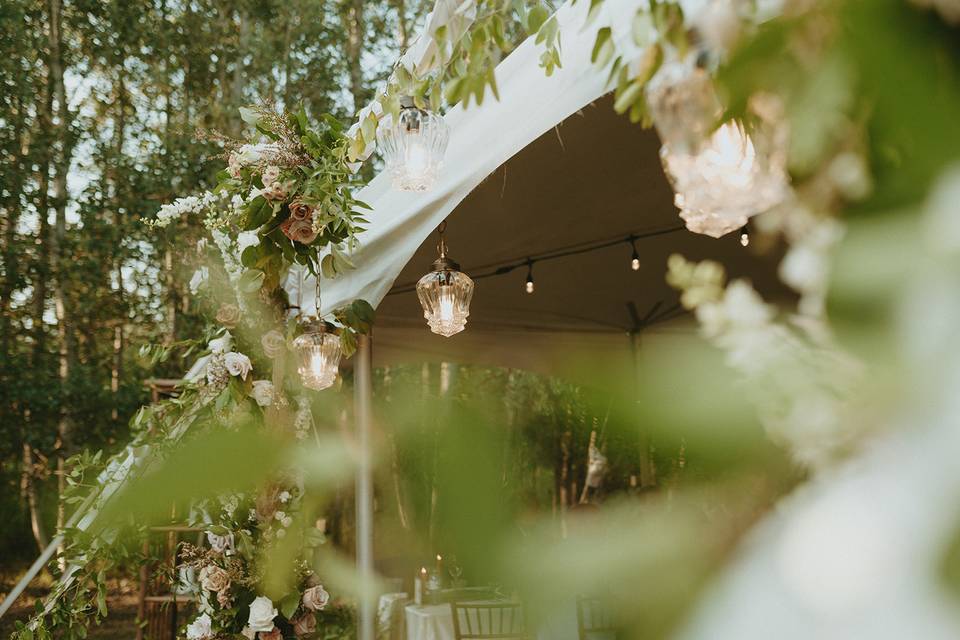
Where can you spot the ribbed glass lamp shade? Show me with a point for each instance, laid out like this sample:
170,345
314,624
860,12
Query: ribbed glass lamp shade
445,295
318,350
413,146
723,176
725,182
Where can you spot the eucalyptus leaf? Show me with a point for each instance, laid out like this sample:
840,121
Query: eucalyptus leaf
257,213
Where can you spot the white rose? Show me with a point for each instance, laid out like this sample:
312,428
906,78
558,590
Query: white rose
263,392
200,277
247,239
274,344
315,598
222,344
220,544
200,628
262,613
237,364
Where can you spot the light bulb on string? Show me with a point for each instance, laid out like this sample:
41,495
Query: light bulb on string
529,284
744,237
635,258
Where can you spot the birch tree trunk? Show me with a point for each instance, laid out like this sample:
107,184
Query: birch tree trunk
67,347
118,335
28,490
354,26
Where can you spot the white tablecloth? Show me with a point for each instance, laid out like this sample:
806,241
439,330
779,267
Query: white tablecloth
435,622
429,622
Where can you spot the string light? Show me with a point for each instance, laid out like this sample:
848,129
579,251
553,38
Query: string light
529,285
744,237
511,265
635,258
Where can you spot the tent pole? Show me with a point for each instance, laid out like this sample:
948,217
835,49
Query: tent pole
647,474
363,400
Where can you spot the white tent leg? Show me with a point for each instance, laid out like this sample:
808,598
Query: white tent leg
363,400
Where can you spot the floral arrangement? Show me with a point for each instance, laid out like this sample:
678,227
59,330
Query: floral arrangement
285,196
228,580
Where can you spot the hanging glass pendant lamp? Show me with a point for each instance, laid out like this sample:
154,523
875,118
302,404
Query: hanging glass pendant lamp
318,350
720,176
445,293
413,146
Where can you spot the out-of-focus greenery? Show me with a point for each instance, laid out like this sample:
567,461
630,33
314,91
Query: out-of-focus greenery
472,471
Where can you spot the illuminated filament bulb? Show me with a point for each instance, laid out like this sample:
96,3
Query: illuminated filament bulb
529,284
744,237
446,302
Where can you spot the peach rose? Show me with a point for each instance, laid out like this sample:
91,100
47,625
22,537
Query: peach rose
273,634
305,625
228,315
213,578
299,230
315,598
300,210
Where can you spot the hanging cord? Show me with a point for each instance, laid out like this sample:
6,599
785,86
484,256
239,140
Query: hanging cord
316,300
441,243
299,305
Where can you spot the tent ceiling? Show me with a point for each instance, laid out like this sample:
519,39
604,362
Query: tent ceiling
596,177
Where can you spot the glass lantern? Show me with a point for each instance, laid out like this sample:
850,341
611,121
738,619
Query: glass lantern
720,176
318,349
725,182
445,295
413,146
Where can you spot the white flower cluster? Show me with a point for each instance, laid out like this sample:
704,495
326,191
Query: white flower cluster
199,280
303,420
248,155
182,206
201,628
224,362
229,253
795,376
362,134
221,543
263,392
